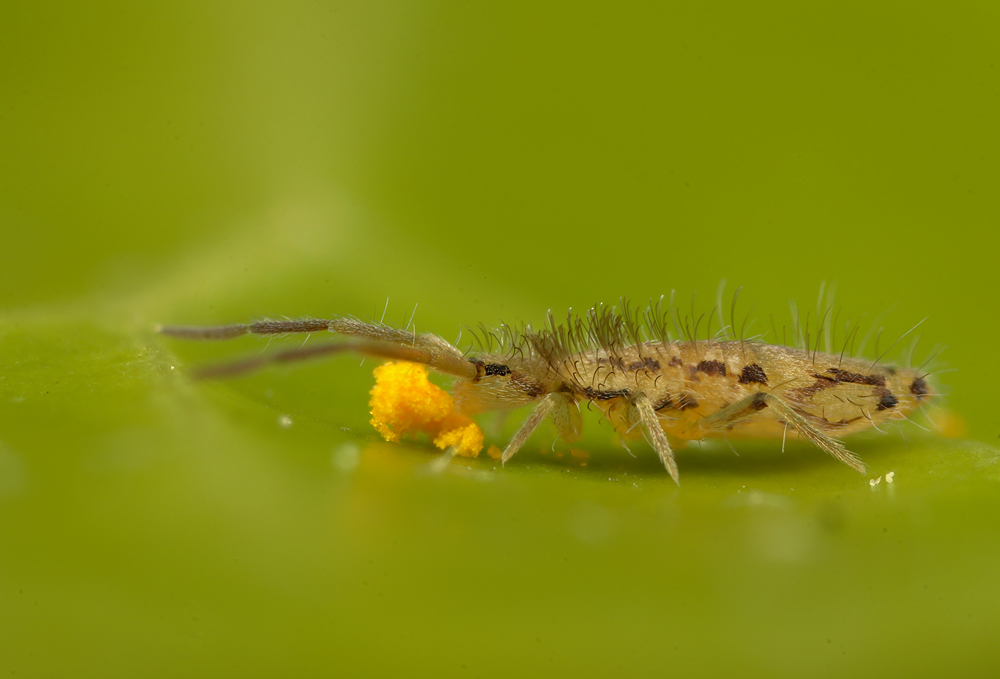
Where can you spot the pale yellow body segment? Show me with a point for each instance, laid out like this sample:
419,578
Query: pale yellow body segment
689,381
703,389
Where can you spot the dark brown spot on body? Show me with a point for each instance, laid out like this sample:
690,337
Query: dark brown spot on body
822,382
759,401
645,364
712,368
496,369
886,401
675,361
667,403
597,395
856,378
919,388
685,402
753,374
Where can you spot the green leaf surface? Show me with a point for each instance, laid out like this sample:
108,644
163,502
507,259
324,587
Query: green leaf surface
218,162
234,525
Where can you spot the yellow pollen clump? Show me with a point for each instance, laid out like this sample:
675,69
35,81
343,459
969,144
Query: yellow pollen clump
405,403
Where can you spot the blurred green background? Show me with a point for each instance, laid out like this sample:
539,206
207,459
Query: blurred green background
211,162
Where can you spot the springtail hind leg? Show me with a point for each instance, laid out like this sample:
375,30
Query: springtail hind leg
751,406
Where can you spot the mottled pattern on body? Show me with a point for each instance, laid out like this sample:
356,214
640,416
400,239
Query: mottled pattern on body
687,389
687,381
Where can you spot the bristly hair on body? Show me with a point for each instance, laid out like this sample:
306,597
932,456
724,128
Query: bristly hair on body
612,329
649,370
